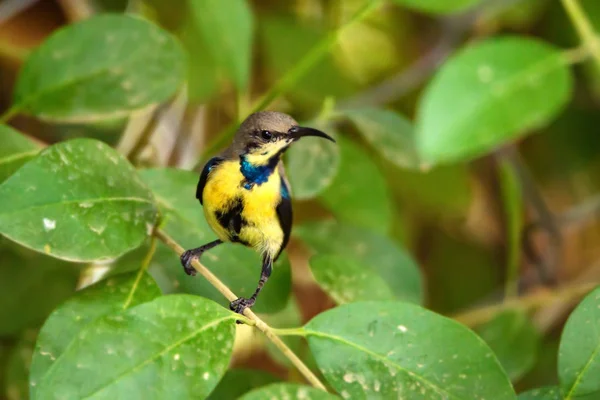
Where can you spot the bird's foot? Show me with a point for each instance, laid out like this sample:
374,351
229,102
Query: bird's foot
240,304
186,260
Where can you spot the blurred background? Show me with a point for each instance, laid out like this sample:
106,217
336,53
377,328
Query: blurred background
451,219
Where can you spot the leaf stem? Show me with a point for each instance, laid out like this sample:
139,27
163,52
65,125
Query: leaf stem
256,321
290,331
315,55
143,268
584,27
8,114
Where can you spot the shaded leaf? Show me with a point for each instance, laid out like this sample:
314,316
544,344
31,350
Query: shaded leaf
237,266
312,165
370,249
398,350
438,6
546,393
508,86
115,357
346,280
359,192
579,352
390,133
106,297
78,200
105,66
284,391
239,381
17,370
15,150
227,26
514,340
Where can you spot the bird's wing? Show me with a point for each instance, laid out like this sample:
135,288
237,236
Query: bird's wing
204,175
284,212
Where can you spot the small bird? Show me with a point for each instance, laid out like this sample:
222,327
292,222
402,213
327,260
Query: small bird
246,195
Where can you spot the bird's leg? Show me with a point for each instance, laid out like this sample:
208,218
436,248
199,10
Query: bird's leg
242,303
189,255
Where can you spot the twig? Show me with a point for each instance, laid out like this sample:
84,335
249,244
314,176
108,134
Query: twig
76,10
584,27
10,8
256,321
525,303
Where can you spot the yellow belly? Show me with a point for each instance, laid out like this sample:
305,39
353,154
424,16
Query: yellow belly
261,229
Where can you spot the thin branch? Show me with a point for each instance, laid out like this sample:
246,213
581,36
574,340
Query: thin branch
584,27
255,320
11,8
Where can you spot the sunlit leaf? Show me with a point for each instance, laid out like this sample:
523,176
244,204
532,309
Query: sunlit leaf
177,344
546,393
383,350
488,94
281,391
239,381
514,340
15,150
579,352
371,249
237,266
438,6
346,280
78,200
105,66
359,192
105,297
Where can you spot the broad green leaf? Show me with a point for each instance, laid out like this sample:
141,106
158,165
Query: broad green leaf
546,393
239,381
78,200
438,6
178,344
514,340
286,391
359,192
390,133
579,352
105,66
312,165
383,350
369,248
31,285
228,27
237,266
106,297
488,94
347,280
15,150
17,369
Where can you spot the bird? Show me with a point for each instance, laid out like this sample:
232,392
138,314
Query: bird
246,195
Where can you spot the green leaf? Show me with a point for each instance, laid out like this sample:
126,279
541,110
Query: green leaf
514,340
383,350
15,150
390,133
178,344
312,165
239,381
438,6
346,280
281,391
359,192
579,352
105,66
237,266
228,26
31,285
369,248
488,94
78,200
103,298
546,393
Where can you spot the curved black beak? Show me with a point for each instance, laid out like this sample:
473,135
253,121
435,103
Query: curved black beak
297,132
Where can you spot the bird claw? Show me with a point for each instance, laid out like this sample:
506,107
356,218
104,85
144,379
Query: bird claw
240,304
186,261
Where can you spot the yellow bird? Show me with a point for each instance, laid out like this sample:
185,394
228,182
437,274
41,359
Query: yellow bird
246,195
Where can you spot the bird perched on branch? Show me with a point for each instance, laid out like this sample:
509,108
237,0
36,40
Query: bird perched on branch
246,195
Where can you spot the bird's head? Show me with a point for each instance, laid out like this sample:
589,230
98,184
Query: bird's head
268,133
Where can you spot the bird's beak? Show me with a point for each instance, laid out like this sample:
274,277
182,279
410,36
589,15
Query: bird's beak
297,132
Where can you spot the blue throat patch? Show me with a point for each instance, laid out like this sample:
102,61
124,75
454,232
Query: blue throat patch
257,174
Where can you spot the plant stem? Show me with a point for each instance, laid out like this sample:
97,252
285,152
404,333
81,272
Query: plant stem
143,268
315,55
8,114
289,331
481,315
258,323
584,27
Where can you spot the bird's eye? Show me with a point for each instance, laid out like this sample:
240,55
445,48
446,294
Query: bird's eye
266,135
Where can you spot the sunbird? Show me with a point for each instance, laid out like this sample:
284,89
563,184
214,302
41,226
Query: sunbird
246,195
